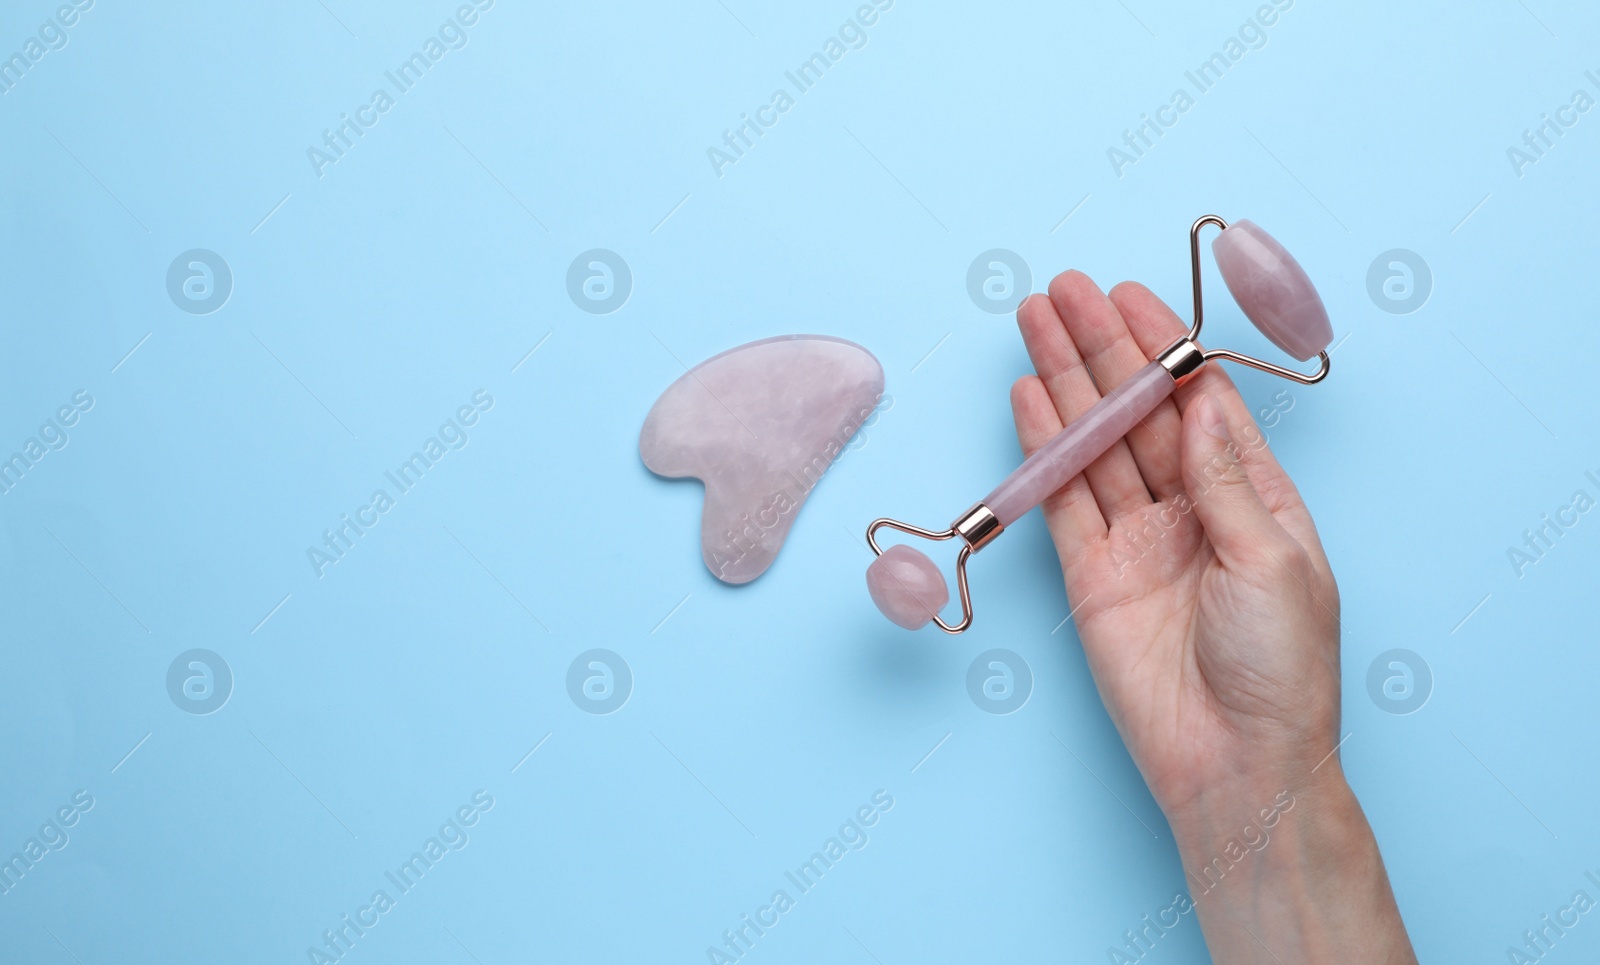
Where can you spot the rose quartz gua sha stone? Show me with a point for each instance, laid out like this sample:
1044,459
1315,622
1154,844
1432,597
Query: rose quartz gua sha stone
759,424
1276,295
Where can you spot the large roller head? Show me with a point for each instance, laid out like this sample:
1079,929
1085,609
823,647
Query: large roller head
1273,290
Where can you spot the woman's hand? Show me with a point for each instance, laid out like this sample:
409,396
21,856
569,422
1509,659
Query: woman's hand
1210,620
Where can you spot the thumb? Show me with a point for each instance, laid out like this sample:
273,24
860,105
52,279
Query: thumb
1238,524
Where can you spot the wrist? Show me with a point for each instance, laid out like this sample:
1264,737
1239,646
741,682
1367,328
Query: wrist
1272,823
1250,807
1289,864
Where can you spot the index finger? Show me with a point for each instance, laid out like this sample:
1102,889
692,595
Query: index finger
1155,326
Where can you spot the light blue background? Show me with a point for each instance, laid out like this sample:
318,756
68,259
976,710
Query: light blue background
424,265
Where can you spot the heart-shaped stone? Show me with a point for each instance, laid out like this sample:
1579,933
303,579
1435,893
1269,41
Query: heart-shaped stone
759,425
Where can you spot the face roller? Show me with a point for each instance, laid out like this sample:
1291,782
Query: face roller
1274,293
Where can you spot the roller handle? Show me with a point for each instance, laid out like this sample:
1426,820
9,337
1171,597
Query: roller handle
1080,443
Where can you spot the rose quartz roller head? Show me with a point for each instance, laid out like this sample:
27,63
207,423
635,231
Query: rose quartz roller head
1274,293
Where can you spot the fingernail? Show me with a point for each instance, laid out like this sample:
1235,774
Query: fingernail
1211,419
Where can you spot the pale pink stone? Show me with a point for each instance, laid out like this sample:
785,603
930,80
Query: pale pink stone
1082,442
759,424
1272,288
907,587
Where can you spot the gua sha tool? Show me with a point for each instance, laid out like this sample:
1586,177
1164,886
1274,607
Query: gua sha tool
759,424
1275,294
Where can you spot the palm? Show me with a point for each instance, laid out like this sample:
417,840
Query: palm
1190,684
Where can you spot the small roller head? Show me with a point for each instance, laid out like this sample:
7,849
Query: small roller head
907,587
1275,293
